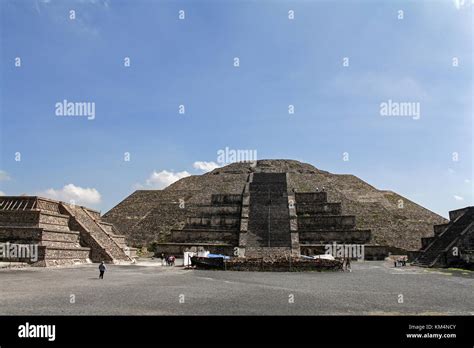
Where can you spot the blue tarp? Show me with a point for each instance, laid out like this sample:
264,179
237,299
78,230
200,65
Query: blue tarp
214,256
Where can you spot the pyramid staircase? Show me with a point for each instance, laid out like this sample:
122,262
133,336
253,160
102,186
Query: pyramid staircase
105,246
435,250
269,219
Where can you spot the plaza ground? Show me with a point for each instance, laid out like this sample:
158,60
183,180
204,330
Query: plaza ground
373,288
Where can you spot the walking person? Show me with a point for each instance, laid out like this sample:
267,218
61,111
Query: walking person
163,259
348,264
102,270
171,260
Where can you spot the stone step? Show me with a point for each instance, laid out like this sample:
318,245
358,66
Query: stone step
454,214
52,227
31,218
339,236
70,236
267,241
268,191
311,197
104,247
191,236
461,221
224,210
120,240
318,208
226,199
425,241
36,234
438,229
210,215
59,244
273,225
269,222
269,178
20,233
56,227
214,221
326,222
252,236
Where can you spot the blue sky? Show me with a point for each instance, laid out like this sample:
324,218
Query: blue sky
190,62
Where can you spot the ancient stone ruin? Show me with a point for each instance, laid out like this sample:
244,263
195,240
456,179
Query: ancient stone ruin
266,219
272,207
452,243
64,234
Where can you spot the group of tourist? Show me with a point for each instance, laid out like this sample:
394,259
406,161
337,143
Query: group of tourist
167,260
400,262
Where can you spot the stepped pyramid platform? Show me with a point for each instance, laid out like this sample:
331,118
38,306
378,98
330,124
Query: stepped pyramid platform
215,227
188,213
452,243
267,220
64,234
321,223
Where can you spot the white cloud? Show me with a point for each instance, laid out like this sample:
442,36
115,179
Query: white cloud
4,175
458,198
459,4
160,180
205,166
2,193
71,192
164,178
467,181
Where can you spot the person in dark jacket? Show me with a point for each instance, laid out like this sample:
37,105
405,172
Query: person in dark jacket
102,270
